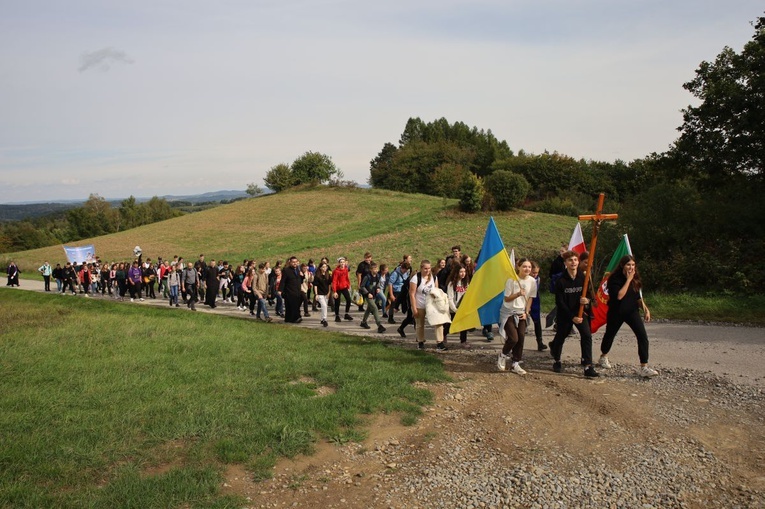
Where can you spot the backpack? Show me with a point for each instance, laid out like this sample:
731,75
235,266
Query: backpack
405,288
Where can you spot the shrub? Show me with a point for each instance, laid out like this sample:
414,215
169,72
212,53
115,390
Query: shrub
471,193
507,189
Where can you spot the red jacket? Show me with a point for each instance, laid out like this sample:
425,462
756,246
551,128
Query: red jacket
340,280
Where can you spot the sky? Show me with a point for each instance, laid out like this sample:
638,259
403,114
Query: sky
179,97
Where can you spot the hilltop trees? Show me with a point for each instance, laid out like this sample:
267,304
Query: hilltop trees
310,168
437,157
432,158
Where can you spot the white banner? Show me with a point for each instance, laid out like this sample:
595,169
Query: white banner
80,254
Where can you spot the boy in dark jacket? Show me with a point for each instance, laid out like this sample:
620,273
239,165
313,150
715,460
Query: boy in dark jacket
568,297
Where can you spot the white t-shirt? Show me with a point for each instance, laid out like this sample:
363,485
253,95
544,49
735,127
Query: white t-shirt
421,294
518,305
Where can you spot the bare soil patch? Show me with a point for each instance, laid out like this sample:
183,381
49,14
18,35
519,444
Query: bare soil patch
683,439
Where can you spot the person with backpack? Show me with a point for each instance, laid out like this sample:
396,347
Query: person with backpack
370,288
173,284
420,286
189,284
397,290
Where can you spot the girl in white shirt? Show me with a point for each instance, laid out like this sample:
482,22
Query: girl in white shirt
513,316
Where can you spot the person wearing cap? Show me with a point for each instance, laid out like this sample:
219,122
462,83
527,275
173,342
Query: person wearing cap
341,285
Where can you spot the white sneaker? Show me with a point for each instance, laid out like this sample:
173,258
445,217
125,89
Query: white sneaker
517,369
502,361
647,372
132,300
604,362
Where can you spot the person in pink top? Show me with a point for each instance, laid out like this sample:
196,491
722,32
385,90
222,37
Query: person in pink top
341,285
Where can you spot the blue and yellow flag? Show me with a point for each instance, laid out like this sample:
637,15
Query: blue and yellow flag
483,298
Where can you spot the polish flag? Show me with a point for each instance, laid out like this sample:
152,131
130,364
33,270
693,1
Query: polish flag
576,244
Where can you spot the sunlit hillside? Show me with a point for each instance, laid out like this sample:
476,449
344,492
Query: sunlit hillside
318,222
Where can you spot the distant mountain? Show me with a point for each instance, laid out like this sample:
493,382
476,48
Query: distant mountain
207,197
29,210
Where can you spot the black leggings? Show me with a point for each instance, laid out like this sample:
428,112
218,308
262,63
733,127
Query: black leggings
344,293
614,323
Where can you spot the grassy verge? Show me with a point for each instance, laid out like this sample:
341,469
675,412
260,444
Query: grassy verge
718,308
103,405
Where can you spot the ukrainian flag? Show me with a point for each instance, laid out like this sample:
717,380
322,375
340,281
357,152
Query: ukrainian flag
483,298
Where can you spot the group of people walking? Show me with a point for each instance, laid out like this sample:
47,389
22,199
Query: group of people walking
426,294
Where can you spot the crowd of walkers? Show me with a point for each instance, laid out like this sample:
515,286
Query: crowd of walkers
422,294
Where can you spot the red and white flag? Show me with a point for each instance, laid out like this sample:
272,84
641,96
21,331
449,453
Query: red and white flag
576,244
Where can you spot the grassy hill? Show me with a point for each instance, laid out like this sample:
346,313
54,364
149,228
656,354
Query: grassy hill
311,223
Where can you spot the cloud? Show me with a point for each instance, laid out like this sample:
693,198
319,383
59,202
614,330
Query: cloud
103,59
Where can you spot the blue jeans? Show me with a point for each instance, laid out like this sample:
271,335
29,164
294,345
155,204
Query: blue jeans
263,306
381,302
173,295
279,304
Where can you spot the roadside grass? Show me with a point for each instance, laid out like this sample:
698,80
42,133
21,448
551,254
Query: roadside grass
107,405
748,309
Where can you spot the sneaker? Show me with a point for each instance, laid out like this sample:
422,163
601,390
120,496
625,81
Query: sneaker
324,323
269,319
141,299
401,333
541,347
421,346
603,362
380,329
131,299
252,313
441,347
517,369
557,367
489,337
501,362
338,319
391,320
306,314
348,317
364,325
590,372
465,345
647,372
177,305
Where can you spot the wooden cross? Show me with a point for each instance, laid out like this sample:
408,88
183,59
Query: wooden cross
597,219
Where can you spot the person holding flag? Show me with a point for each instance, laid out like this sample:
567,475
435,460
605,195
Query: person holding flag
513,317
483,299
624,303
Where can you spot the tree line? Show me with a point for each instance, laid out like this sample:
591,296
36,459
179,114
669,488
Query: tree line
94,218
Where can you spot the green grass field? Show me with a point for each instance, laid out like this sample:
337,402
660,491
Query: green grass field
312,223
106,405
